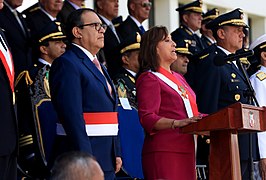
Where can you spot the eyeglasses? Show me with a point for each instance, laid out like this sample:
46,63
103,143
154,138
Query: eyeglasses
145,4
97,26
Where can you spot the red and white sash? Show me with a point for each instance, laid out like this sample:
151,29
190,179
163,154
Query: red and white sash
7,61
174,83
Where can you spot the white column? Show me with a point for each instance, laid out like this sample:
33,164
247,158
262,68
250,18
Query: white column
165,14
258,26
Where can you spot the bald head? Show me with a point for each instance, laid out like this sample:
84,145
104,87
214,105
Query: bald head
76,165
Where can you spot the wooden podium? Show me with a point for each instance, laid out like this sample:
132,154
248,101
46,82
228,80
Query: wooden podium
223,127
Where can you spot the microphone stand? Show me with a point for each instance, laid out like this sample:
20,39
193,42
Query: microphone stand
252,98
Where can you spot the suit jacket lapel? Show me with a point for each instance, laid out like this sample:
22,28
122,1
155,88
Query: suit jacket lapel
91,67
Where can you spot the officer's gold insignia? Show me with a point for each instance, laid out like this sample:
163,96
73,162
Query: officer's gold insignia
237,97
233,75
261,76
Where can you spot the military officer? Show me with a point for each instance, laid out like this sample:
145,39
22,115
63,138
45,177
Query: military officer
207,37
183,54
130,131
32,89
190,17
219,86
125,79
258,81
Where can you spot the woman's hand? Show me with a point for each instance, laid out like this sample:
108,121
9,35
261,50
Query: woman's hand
187,121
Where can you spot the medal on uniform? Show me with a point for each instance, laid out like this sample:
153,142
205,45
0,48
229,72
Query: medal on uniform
183,91
233,75
237,97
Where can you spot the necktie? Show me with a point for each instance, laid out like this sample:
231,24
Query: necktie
114,31
97,64
19,22
142,30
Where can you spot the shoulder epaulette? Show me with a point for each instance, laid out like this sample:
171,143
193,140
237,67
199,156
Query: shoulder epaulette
188,31
27,78
34,9
204,56
261,76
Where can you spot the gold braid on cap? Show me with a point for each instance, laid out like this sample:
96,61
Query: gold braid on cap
132,46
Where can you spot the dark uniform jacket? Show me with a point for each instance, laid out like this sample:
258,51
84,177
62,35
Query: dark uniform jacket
127,28
37,20
217,87
125,84
37,120
18,41
65,12
183,33
205,41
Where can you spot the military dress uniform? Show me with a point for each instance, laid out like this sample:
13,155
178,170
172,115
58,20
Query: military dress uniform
206,18
36,115
130,131
125,84
258,81
220,86
185,33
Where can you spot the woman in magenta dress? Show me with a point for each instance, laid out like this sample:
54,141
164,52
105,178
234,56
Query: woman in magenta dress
166,103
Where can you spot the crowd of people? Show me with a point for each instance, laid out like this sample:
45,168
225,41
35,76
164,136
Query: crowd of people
86,95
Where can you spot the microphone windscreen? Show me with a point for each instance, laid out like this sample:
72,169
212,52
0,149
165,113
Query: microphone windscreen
219,60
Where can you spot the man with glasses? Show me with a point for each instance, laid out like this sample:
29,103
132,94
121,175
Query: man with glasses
83,94
139,11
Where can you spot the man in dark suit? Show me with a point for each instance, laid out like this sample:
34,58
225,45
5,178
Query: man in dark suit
8,124
139,11
17,35
83,94
68,7
220,86
207,37
108,10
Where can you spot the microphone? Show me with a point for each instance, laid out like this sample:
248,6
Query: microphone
221,60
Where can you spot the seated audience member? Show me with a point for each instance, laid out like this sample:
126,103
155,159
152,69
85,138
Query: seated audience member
161,94
36,115
76,166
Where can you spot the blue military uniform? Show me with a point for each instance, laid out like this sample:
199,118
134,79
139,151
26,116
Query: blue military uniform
130,131
206,18
184,32
220,86
36,115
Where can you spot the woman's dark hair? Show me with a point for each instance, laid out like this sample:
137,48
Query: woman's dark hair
73,20
148,58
